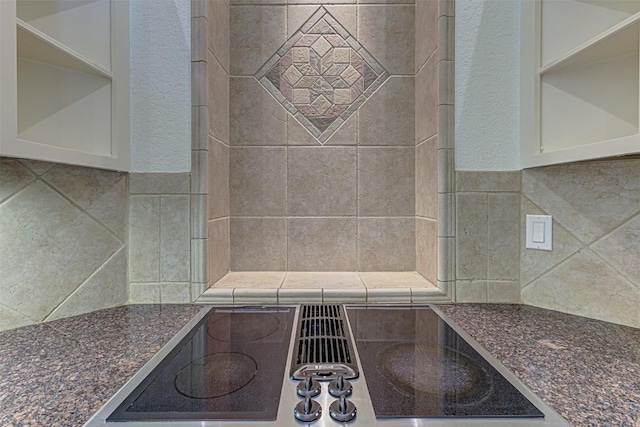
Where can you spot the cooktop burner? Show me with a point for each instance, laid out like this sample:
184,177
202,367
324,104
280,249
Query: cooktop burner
416,365
229,367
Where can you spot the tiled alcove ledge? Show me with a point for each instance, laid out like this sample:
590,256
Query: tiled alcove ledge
279,287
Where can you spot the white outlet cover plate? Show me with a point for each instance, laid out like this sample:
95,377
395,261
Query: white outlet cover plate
539,232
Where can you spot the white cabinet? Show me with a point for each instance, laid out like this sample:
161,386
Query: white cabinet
65,81
579,74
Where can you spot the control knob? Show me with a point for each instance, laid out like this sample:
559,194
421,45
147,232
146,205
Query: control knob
308,387
340,387
342,410
307,410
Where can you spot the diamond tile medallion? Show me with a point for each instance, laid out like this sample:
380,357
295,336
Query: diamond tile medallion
322,75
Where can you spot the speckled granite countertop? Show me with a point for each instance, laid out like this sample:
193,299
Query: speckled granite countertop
60,373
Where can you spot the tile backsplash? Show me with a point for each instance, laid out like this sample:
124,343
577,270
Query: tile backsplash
62,241
592,270
321,137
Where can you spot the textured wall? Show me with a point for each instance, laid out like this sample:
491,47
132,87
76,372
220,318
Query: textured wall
487,42
593,270
303,195
62,241
160,79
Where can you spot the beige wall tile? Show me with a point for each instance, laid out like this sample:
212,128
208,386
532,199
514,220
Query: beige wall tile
396,279
446,214
534,263
345,15
256,34
322,244
387,1
218,249
427,179
446,259
11,319
446,38
621,249
159,183
199,84
145,293
199,38
472,181
382,26
218,37
144,238
388,117
589,199
426,30
446,128
199,127
322,181
13,177
347,134
175,239
386,244
100,192
389,295
218,179
386,181
446,82
471,291
199,263
255,296
218,100
296,295
586,286
330,280
175,293
199,172
217,296
199,215
104,289
57,246
258,180
258,244
426,122
427,248
503,292
504,236
446,8
343,296
255,117
472,232
251,279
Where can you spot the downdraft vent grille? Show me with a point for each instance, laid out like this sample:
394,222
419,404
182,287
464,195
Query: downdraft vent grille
323,339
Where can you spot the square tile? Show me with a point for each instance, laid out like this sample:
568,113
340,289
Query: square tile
386,181
382,26
322,244
258,244
255,118
255,33
257,181
388,117
322,181
386,244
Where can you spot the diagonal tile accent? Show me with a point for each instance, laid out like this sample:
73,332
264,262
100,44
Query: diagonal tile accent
321,75
13,178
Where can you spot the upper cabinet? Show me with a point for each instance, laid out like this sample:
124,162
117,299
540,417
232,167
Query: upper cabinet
579,80
65,81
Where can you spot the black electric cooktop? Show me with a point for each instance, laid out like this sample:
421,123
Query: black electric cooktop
404,363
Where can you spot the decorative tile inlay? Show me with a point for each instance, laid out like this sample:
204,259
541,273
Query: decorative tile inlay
322,75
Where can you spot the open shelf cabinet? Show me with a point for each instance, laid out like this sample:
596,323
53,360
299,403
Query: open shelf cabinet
580,91
64,88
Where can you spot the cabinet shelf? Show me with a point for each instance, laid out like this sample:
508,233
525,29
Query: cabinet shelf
619,40
38,46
